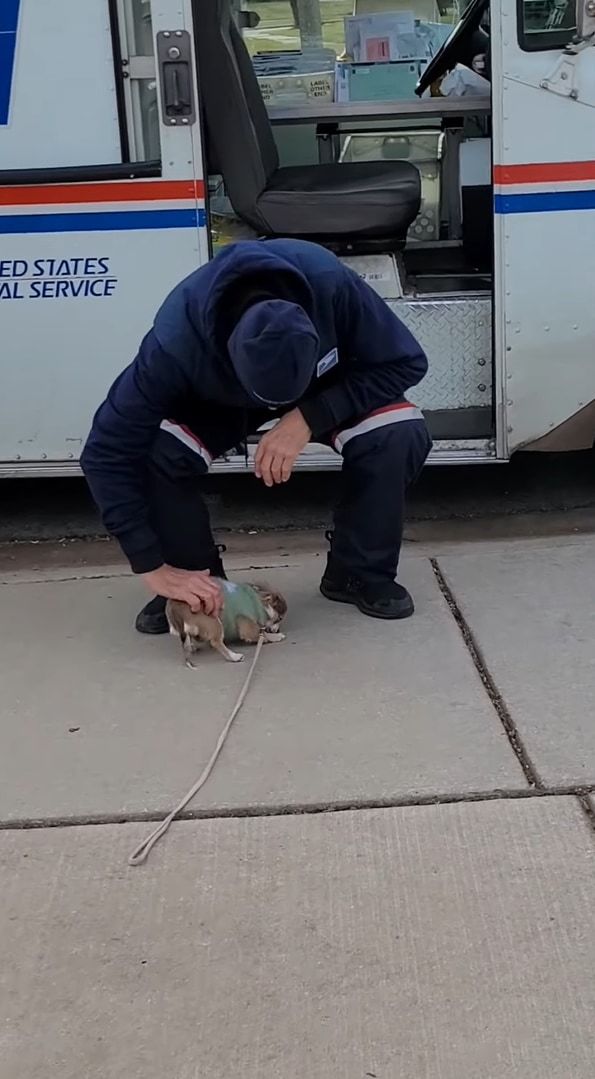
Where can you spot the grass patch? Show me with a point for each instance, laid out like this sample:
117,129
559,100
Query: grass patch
276,29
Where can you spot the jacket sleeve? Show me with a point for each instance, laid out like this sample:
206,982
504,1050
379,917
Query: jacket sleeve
114,459
385,360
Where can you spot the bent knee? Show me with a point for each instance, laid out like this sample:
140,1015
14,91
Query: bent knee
178,455
397,422
398,429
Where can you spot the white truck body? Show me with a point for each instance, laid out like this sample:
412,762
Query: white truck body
103,209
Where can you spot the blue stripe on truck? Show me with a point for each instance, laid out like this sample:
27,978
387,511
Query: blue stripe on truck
103,221
543,202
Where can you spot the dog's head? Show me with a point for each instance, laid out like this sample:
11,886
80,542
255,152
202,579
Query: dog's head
274,604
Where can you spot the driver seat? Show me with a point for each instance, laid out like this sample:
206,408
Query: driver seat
369,200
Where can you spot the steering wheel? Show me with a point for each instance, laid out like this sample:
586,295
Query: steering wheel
460,46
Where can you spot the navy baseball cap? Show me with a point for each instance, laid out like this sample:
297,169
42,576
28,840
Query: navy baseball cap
273,350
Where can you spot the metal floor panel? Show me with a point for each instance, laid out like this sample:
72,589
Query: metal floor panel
456,334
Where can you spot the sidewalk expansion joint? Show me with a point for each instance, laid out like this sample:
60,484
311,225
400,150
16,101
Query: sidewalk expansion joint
479,662
22,577
37,579
350,805
587,808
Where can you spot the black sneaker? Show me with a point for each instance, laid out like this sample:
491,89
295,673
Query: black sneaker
152,619
385,600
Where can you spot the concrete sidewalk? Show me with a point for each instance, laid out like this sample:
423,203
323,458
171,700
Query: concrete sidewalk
397,939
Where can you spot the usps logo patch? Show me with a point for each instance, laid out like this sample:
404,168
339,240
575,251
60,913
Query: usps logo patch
327,362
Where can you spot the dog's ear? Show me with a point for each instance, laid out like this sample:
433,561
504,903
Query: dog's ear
278,603
270,598
263,588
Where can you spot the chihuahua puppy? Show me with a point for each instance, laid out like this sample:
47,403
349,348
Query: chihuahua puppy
248,611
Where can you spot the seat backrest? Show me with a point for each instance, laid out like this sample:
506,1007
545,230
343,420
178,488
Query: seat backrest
238,127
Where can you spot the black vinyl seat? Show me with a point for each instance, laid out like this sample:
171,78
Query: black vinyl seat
357,201
367,199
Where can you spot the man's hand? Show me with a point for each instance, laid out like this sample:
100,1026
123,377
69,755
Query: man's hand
279,448
193,587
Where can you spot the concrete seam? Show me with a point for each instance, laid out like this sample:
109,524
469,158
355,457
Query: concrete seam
516,742
349,805
61,580
126,573
587,807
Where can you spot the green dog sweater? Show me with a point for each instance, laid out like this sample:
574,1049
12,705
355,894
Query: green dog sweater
240,599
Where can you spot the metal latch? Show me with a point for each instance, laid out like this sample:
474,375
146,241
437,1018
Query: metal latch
176,79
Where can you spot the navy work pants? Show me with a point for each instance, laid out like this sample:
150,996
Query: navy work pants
383,454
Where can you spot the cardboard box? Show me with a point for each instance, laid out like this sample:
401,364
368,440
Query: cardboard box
293,77
299,89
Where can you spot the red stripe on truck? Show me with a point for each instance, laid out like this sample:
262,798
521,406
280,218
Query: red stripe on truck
109,191
563,171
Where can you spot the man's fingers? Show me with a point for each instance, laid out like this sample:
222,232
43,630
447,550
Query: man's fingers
207,588
203,594
189,596
200,603
258,459
203,583
265,469
277,469
287,469
261,449
211,601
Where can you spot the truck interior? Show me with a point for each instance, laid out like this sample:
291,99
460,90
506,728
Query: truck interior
395,177
363,125
365,191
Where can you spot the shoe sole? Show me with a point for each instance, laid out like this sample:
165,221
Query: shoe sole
154,630
341,597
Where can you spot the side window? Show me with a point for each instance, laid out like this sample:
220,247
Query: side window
545,24
77,86
57,83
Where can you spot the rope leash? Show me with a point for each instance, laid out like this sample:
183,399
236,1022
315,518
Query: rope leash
141,853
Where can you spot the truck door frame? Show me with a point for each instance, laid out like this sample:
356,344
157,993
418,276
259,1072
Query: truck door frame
544,190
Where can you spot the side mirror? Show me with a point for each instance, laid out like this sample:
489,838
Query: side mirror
585,19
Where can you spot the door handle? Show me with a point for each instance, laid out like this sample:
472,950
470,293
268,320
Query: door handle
176,89
176,79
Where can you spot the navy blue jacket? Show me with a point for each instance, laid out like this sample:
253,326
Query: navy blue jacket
183,360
